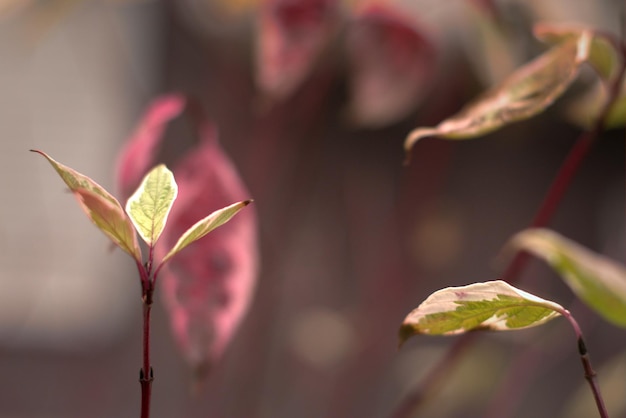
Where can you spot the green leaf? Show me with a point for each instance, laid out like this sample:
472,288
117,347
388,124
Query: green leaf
595,279
151,203
525,93
206,225
100,206
111,219
493,305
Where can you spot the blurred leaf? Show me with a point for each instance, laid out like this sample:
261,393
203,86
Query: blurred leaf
150,205
206,225
490,44
585,110
596,280
207,286
139,153
110,219
493,305
526,92
392,63
603,56
101,207
291,36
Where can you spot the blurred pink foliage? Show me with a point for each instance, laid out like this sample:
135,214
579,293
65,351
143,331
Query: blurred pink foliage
291,36
392,64
390,56
208,286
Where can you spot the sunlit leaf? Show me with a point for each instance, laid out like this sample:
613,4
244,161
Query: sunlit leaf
493,305
526,92
207,287
595,279
101,207
603,56
150,205
110,219
206,225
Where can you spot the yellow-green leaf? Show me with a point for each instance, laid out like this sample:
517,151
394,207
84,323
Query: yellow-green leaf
597,280
151,203
110,219
494,305
76,180
102,208
206,225
526,92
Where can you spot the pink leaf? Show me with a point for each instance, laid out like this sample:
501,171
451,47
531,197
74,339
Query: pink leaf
138,155
207,286
392,65
291,35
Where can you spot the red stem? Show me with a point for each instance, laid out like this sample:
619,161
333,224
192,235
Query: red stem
543,216
590,374
145,375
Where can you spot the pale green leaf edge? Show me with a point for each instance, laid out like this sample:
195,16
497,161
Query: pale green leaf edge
150,205
204,226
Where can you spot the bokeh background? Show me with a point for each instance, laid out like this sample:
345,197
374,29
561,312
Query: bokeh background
350,239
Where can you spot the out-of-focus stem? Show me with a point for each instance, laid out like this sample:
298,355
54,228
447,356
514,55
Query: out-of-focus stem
544,214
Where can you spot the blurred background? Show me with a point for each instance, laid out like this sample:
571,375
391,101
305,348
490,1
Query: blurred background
350,239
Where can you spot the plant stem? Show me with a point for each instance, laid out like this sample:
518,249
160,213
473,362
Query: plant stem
544,214
590,374
145,374
432,380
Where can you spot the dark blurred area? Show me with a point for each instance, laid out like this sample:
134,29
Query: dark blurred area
351,239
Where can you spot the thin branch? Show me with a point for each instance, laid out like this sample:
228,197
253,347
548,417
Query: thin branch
145,374
544,214
590,374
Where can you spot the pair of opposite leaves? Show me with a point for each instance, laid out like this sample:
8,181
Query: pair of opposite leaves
207,286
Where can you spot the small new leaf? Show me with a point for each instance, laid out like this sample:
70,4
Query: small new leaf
596,280
525,93
204,226
100,206
493,305
151,203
